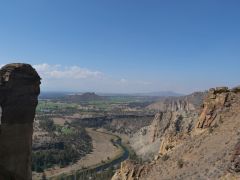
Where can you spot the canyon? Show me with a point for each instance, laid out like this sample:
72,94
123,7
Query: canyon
198,141
191,137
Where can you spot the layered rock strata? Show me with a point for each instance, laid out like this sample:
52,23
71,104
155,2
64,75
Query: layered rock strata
175,117
219,104
19,90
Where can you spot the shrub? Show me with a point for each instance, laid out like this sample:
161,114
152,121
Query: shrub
210,130
215,125
165,157
180,163
169,147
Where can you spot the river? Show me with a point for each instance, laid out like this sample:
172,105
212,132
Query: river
101,167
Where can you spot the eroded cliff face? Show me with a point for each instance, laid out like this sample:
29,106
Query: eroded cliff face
19,90
219,104
176,117
184,103
208,150
131,171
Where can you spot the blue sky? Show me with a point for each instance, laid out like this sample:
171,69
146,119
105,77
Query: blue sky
124,45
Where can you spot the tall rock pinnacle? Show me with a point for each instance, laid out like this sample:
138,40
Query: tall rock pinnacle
19,90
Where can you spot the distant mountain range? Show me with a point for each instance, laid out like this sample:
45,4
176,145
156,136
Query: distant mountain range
160,94
87,95
151,94
52,95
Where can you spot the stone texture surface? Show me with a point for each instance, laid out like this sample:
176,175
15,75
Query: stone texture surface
184,103
19,90
218,104
175,116
130,171
235,162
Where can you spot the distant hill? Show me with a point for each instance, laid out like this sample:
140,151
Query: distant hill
150,94
89,96
53,95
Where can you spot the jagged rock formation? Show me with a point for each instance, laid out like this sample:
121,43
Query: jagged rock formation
184,103
176,116
210,150
130,171
218,104
19,90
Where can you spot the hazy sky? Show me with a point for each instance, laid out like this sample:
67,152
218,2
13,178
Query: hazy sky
124,45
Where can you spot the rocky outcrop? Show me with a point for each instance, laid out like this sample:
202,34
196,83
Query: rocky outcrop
130,171
174,126
218,104
175,117
172,104
235,162
175,120
19,90
160,124
168,143
185,103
